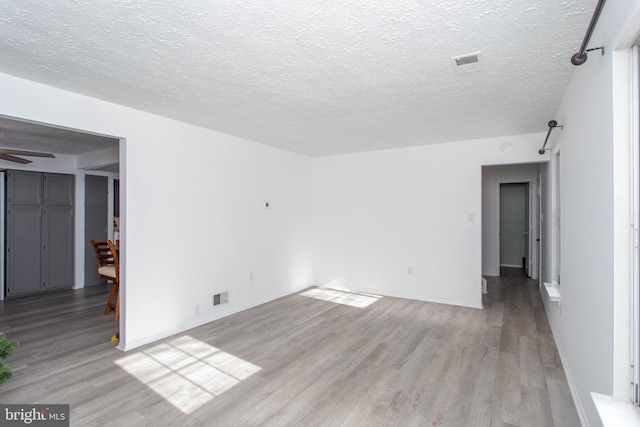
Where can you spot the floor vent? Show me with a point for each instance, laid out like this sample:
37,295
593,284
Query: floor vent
221,298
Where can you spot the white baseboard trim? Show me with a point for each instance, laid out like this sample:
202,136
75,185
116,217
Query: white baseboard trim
167,333
200,322
419,298
567,371
512,266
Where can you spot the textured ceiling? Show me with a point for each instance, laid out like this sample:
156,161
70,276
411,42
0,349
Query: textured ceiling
317,77
21,134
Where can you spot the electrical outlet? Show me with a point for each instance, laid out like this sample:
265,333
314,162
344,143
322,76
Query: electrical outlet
410,270
196,310
251,276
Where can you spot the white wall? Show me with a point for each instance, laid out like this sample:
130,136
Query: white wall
194,222
379,213
492,177
594,249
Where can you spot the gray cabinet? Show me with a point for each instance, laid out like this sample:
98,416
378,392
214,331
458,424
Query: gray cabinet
24,188
58,190
40,230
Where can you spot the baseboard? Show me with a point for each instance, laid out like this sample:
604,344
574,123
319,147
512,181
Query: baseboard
418,298
512,266
567,371
183,328
167,333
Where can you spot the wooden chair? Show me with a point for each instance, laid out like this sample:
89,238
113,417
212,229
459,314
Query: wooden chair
115,251
109,268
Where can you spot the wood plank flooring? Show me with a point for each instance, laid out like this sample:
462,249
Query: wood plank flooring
314,358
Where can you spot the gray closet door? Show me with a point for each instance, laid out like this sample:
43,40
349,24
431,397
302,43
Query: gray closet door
58,248
24,243
58,231
24,188
40,232
96,206
58,189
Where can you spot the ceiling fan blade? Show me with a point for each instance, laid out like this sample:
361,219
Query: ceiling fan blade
26,153
11,158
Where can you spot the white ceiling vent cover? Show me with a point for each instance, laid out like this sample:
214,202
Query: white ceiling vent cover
468,63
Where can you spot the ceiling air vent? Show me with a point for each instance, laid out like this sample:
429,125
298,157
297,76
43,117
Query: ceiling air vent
468,63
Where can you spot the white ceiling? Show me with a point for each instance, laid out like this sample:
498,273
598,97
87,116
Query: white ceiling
317,77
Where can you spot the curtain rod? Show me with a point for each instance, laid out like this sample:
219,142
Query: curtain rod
552,124
581,57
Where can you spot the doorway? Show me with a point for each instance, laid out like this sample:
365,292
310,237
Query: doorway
515,228
493,177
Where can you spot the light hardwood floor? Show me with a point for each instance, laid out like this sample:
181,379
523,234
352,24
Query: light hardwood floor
316,358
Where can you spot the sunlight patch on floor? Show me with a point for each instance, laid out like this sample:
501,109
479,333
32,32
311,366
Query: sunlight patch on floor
187,372
339,296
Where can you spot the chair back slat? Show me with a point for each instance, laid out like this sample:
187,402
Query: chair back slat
113,250
104,256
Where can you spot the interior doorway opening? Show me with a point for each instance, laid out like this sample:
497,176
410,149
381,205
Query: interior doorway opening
511,219
515,248
81,154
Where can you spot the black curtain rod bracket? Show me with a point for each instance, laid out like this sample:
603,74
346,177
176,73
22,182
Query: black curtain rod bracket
552,125
600,48
581,57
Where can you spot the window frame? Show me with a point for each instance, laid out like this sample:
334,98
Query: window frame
635,225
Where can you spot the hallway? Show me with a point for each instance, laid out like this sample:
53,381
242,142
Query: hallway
530,380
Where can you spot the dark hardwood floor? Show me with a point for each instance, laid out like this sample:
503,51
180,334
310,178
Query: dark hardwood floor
316,358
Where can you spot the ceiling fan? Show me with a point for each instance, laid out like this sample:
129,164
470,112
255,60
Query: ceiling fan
10,155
